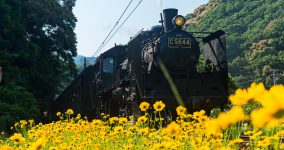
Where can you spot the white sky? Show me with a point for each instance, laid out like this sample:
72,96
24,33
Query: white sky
97,17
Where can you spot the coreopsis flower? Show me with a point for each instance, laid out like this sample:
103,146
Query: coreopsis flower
181,110
128,146
144,131
39,144
240,97
159,106
6,147
118,129
173,129
244,96
163,145
18,138
31,122
260,117
273,108
264,143
224,120
144,106
58,114
142,119
277,96
133,128
186,125
122,120
236,141
78,117
256,90
70,111
97,122
199,114
23,123
113,120
53,148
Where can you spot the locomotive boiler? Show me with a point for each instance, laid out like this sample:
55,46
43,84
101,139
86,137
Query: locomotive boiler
125,75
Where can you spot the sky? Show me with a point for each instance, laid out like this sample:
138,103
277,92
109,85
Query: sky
96,18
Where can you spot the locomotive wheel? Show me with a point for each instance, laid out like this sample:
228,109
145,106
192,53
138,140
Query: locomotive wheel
132,100
123,108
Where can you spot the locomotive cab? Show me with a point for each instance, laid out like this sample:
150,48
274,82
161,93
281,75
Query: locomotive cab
109,72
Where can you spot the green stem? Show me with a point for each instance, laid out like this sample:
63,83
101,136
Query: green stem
171,82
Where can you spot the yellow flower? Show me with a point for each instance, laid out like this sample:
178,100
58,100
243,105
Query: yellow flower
128,147
133,128
58,114
198,115
173,129
23,123
261,117
256,90
31,122
70,111
144,130
17,138
78,117
6,147
224,120
122,120
113,120
144,106
181,110
281,146
277,95
240,97
243,96
118,129
39,144
53,148
97,122
159,106
159,146
264,143
142,119
236,141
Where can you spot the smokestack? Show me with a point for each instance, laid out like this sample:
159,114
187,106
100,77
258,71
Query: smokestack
169,14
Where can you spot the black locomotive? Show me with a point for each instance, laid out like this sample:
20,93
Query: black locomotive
125,75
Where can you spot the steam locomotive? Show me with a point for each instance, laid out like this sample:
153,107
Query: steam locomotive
125,75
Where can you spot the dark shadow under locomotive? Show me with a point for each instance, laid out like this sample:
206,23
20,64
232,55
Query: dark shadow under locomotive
125,75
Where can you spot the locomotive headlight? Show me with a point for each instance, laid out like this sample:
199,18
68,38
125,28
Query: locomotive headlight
179,20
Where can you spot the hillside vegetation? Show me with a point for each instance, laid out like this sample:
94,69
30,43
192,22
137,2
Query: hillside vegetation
255,36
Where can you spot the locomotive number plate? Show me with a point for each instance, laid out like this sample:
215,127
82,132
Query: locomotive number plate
179,42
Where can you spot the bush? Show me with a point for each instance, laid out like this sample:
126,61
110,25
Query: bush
16,103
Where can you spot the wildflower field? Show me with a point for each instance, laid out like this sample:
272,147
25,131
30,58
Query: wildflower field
255,121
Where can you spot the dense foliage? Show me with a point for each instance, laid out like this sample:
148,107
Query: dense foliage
37,42
255,37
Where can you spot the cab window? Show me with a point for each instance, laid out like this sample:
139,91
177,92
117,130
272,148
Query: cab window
108,65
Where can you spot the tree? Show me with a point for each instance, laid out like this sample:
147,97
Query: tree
37,43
